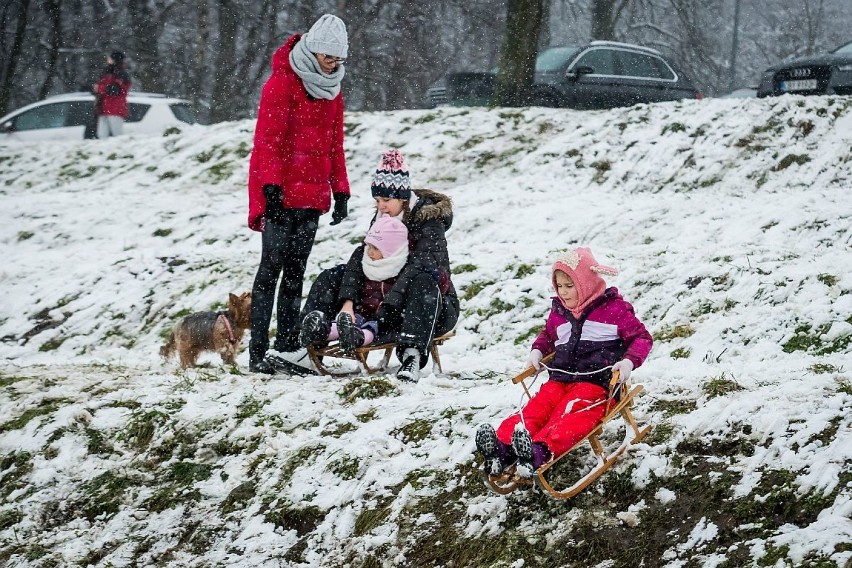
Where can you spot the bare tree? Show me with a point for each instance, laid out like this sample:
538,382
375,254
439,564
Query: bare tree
520,49
53,9
10,63
605,15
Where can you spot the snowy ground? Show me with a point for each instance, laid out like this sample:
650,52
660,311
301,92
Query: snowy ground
730,221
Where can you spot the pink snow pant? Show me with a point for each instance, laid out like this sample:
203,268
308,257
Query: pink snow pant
559,415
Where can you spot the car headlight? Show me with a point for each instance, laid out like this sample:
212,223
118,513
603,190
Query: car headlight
846,67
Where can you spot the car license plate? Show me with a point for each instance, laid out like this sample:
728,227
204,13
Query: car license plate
801,85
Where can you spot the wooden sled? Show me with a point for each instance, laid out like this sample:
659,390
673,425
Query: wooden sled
509,480
362,353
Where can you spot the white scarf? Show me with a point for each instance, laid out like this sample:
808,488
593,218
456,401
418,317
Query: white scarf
384,268
318,84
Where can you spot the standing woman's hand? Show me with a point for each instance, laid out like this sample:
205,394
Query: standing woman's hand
341,211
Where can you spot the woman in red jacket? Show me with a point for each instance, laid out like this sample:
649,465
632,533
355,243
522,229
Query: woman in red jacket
111,96
297,164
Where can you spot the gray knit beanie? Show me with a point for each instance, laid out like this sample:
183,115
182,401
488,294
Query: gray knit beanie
328,36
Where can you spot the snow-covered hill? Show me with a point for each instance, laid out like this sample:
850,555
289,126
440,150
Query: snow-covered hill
730,221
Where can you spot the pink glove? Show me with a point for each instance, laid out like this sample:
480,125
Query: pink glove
534,360
624,367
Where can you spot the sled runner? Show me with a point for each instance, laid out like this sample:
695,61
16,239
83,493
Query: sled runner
361,353
619,400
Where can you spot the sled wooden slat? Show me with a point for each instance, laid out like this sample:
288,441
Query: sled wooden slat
509,480
361,355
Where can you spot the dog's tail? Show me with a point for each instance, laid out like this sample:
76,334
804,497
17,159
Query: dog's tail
168,349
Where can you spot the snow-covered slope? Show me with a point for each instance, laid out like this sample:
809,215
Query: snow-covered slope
729,219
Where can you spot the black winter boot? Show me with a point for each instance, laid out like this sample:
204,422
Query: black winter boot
351,337
522,444
486,443
315,328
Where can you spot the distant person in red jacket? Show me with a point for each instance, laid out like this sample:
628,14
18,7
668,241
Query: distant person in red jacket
111,96
296,166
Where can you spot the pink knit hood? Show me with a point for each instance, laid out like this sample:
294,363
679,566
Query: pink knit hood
580,265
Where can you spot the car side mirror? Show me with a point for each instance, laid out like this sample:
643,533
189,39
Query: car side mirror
7,127
578,72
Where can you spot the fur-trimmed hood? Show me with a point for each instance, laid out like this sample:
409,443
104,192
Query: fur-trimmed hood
432,205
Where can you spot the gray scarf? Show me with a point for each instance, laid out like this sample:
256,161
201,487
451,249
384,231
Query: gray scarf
318,84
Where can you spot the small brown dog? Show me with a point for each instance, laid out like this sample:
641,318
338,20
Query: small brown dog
221,332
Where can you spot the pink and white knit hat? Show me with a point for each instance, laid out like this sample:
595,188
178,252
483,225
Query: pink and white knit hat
388,234
391,178
580,265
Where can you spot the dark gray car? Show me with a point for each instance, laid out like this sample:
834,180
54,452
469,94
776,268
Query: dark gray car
597,75
827,74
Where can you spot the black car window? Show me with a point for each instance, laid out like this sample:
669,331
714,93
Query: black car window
136,111
600,60
48,116
183,112
80,113
633,64
554,58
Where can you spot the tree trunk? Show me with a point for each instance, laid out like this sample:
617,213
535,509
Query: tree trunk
53,8
223,71
520,49
14,55
145,31
603,19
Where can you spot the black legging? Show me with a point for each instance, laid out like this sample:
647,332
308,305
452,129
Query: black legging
286,247
426,313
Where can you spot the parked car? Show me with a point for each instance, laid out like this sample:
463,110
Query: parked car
596,75
741,93
64,117
827,74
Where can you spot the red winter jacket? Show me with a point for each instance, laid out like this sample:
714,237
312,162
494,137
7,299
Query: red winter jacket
298,143
111,91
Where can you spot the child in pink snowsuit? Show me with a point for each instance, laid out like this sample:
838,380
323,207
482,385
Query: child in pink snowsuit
594,333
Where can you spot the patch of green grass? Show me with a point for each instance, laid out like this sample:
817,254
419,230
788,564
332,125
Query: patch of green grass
474,288
162,233
367,389
676,406
822,368
14,468
524,270
220,171
47,406
667,333
496,306
601,168
462,268
52,344
171,131
25,235
720,386
680,353
141,427
239,498
414,431
345,468
249,407
104,494
7,380
366,416
169,175
529,334
426,118
828,279
791,159
674,127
